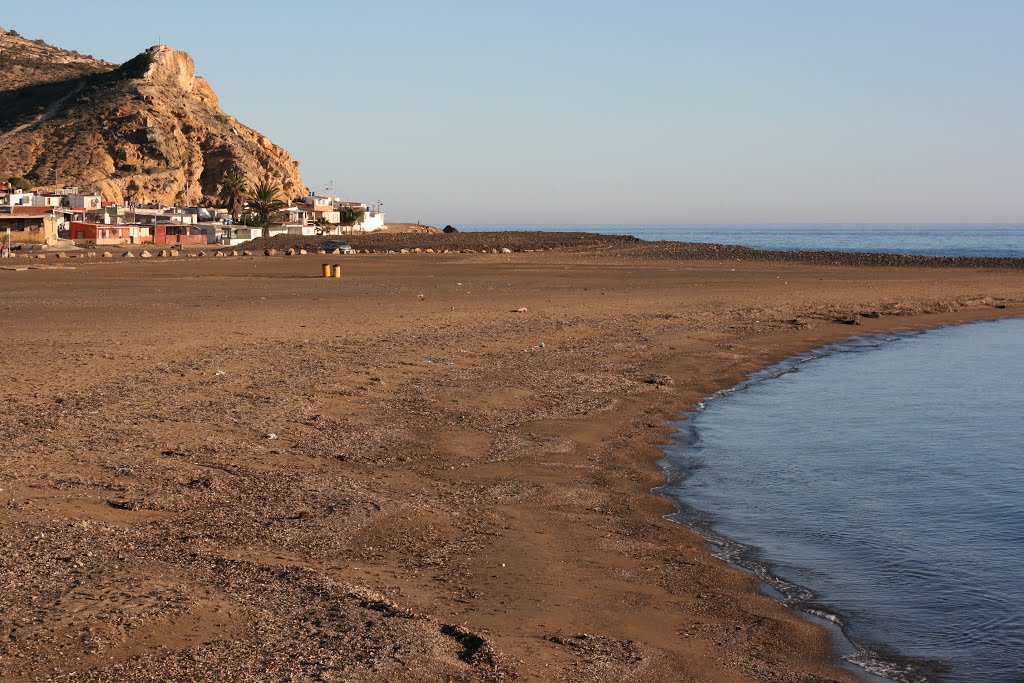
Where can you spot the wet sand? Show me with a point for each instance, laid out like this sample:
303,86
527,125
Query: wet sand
233,469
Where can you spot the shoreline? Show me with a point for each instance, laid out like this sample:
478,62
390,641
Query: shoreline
766,580
879,666
564,570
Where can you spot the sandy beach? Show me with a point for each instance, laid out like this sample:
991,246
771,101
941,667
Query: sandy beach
435,468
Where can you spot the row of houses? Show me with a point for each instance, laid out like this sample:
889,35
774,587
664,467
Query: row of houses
46,217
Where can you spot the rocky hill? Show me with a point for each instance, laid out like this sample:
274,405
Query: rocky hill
147,130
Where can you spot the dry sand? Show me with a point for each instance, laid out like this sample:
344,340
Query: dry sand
485,515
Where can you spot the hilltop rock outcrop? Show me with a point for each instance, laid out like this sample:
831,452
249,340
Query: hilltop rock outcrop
147,130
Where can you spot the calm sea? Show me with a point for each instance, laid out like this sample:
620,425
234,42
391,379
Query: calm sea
932,239
878,483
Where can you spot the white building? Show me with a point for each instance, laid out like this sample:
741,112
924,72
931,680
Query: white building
83,201
229,235
372,220
47,200
314,200
286,229
20,198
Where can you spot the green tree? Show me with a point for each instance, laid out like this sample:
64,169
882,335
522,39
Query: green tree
233,191
350,215
265,205
21,183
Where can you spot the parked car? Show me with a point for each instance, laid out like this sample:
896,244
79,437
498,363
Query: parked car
331,245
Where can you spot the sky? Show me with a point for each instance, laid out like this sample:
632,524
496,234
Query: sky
567,111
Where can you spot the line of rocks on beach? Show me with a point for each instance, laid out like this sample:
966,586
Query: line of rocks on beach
529,242
625,246
221,253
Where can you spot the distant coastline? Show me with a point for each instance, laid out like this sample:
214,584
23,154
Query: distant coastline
921,239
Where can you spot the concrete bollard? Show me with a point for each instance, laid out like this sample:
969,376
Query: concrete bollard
337,270
327,269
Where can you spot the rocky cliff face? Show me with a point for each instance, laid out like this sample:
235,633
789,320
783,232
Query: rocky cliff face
147,130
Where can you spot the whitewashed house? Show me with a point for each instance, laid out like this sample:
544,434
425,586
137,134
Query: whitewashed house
83,201
50,201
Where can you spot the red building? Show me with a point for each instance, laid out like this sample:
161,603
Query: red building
100,233
176,234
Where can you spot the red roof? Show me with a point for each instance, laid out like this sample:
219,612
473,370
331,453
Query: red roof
31,210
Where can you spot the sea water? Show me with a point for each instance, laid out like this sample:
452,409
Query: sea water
930,239
879,483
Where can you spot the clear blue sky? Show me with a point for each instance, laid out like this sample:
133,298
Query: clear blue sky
603,112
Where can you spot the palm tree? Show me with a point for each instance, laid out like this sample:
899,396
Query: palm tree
322,226
265,204
233,189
